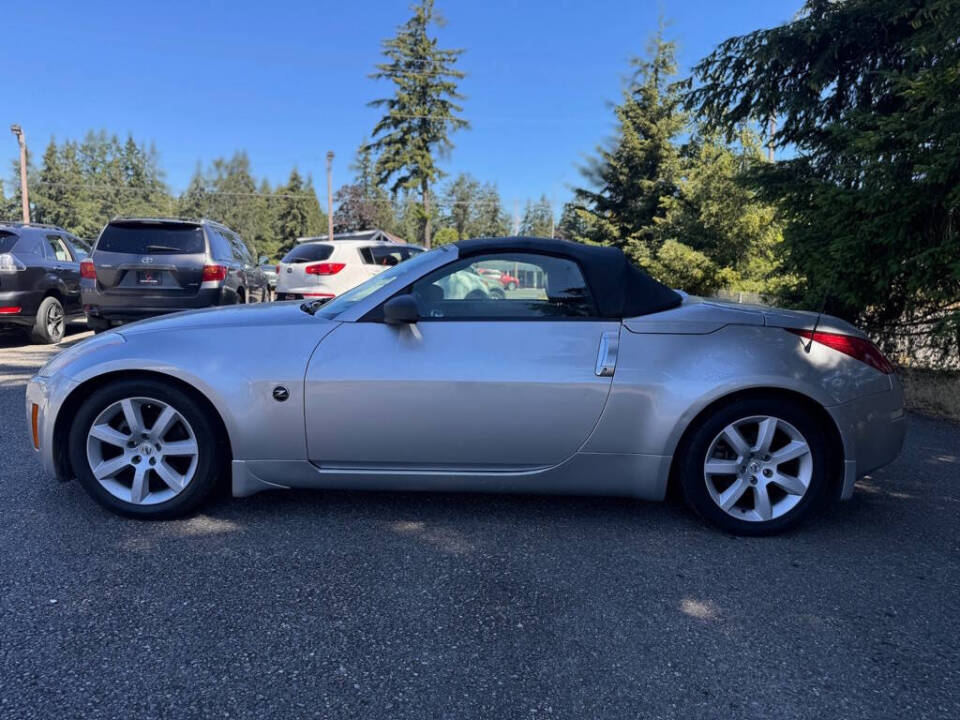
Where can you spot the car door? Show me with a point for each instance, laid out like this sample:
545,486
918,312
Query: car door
65,267
480,383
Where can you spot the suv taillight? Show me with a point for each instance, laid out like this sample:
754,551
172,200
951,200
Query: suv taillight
10,263
87,270
324,268
856,347
214,273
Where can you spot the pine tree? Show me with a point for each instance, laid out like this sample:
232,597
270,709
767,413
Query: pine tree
489,218
421,114
460,198
537,220
293,212
633,177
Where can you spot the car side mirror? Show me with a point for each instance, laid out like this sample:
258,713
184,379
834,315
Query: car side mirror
401,310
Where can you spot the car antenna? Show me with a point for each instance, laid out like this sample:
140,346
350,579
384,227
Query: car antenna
816,323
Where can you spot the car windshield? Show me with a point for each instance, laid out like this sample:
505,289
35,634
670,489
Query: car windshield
352,297
152,238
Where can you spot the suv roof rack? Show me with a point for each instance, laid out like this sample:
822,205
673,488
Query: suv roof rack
20,223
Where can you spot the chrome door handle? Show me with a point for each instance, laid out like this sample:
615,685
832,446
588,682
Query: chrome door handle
607,354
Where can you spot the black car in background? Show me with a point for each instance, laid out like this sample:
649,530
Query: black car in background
142,267
39,279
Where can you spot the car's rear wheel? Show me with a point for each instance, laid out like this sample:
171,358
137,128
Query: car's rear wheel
50,323
756,466
145,449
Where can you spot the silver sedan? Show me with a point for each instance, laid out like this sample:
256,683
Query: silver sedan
588,378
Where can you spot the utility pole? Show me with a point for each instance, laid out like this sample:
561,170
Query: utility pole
516,216
553,227
330,195
24,198
773,131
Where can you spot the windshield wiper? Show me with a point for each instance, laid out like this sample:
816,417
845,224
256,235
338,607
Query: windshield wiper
162,248
311,307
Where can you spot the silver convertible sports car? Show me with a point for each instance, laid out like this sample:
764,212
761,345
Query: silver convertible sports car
585,376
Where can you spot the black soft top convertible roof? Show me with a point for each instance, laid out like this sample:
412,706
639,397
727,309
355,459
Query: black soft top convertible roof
620,289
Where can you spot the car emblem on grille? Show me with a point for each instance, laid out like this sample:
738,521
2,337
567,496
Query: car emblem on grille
146,260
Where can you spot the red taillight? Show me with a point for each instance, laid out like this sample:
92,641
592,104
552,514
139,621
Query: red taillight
326,295
278,269
856,347
10,310
214,273
324,268
87,270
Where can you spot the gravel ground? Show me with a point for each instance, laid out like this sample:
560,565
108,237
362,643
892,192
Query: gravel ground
459,606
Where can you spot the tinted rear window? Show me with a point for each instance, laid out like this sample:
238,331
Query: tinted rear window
308,253
7,241
152,239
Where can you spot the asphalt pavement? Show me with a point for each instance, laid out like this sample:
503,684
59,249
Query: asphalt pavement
390,605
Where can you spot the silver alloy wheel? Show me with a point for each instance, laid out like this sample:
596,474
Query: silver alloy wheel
758,468
142,450
54,320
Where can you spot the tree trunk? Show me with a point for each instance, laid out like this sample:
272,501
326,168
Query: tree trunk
425,190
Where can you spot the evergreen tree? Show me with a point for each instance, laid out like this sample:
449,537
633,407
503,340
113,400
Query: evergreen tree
460,198
537,219
865,94
488,218
421,114
633,177
572,225
293,212
363,205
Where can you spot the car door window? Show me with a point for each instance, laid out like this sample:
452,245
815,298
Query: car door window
58,249
240,251
542,286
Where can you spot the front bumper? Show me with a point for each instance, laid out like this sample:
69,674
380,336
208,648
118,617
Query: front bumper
39,393
873,428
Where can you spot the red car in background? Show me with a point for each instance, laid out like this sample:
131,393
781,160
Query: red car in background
508,281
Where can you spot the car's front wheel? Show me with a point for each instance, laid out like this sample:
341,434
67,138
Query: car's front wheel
145,449
756,466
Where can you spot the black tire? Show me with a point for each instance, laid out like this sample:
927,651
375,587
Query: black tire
45,331
211,461
98,325
692,454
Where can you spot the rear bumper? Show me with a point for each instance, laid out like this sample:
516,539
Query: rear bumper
119,307
26,300
873,428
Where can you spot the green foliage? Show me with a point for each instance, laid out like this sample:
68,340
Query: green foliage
488,218
80,186
460,198
421,113
362,204
445,236
637,173
681,210
865,93
474,210
537,219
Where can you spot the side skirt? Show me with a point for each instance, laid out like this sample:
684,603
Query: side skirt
640,476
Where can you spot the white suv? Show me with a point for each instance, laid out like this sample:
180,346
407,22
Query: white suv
327,269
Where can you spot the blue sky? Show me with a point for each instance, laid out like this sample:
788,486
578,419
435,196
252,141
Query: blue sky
288,80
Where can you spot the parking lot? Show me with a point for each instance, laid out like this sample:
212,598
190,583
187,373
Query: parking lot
457,606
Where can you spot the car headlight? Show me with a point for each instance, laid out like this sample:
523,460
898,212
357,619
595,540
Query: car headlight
82,348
